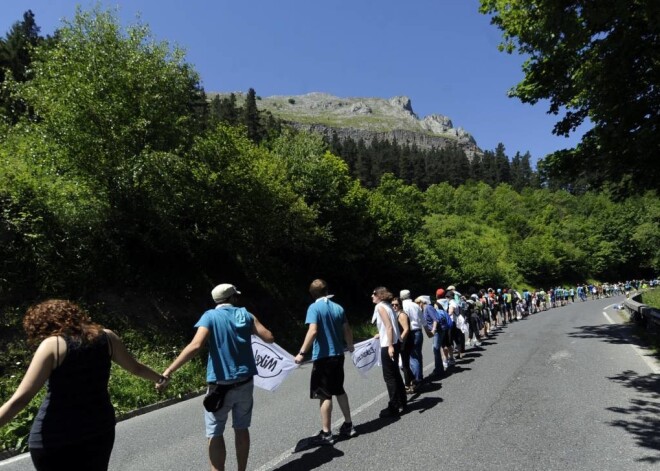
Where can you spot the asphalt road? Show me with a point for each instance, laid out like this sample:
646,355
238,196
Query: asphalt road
562,390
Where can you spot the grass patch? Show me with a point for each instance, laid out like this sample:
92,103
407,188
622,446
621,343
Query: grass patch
652,298
363,331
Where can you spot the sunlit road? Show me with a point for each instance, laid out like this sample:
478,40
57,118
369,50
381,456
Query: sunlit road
562,390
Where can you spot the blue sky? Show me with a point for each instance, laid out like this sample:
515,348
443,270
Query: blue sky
441,53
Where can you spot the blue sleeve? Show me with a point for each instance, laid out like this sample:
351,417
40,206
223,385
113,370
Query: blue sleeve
204,321
312,315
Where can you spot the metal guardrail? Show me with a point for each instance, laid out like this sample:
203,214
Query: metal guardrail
643,315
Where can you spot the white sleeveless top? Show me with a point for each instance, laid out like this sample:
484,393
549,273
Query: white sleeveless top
384,340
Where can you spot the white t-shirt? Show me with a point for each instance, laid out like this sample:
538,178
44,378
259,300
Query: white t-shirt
384,340
456,310
414,314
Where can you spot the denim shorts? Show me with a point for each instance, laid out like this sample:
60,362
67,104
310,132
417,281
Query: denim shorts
239,401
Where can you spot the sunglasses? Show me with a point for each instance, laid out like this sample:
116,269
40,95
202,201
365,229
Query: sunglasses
396,305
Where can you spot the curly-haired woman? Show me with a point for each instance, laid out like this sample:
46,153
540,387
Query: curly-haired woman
75,426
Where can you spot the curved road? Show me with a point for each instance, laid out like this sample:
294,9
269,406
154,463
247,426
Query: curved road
562,390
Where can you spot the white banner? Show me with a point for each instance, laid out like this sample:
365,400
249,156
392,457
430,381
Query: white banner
365,355
273,364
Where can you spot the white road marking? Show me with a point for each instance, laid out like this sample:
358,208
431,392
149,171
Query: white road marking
648,359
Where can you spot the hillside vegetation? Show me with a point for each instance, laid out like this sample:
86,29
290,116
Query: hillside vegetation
121,189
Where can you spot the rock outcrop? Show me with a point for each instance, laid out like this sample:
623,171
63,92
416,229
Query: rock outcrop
366,118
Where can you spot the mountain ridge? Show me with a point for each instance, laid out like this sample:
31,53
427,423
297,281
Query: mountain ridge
365,118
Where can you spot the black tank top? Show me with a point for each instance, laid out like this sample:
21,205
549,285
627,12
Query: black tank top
77,404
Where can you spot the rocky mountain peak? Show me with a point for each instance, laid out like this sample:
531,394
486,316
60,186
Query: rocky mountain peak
366,118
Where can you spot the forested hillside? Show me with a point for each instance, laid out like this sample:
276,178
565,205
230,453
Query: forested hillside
120,175
122,188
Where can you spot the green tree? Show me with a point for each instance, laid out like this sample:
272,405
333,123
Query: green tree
15,60
343,229
595,62
108,105
15,48
251,116
398,210
229,110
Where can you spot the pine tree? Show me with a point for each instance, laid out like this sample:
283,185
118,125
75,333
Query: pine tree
530,177
230,113
502,164
363,164
349,153
477,172
405,171
517,177
251,117
418,161
15,58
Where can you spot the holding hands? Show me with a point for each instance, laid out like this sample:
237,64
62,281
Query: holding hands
162,383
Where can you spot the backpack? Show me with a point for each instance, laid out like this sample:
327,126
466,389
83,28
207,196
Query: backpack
443,319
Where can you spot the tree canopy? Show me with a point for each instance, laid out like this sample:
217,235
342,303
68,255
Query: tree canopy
596,62
115,178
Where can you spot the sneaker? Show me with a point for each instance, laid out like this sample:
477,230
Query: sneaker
445,364
451,362
346,430
322,438
477,344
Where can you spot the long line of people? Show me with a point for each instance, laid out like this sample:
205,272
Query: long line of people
454,321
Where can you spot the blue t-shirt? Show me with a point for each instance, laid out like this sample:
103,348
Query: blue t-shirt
230,343
432,315
329,319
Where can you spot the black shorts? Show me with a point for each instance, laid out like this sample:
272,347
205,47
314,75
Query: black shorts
327,378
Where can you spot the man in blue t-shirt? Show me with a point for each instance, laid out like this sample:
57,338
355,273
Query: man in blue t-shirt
227,330
327,332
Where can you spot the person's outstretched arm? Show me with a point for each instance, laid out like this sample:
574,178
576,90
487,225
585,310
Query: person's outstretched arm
189,351
40,368
123,358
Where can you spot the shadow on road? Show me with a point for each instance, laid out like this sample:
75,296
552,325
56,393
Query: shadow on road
456,369
374,425
423,404
419,406
642,416
472,354
430,384
313,459
610,333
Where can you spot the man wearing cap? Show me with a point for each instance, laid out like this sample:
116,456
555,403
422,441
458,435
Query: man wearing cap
327,332
416,319
227,330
